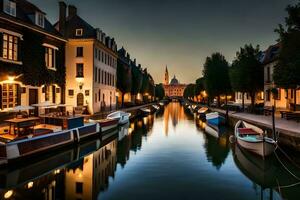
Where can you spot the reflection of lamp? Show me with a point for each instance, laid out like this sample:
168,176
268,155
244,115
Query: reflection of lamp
80,81
11,79
8,194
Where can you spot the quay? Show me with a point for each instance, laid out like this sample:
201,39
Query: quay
288,132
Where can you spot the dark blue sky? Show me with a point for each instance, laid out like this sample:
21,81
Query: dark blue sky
180,33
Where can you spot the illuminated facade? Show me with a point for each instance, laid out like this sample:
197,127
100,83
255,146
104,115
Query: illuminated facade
91,63
32,68
173,88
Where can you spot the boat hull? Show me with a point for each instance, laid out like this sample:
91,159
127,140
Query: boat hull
262,148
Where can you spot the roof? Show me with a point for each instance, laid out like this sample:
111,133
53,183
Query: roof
174,81
271,54
76,22
25,14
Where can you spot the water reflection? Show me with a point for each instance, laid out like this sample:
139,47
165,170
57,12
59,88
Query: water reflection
139,162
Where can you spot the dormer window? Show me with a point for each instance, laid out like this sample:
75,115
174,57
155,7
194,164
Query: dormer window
9,7
40,19
79,32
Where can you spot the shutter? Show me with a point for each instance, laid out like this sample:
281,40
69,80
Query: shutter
19,57
19,94
0,96
1,44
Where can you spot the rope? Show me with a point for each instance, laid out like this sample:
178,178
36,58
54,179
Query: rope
288,157
296,177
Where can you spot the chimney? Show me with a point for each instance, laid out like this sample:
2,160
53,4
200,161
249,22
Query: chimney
62,17
72,11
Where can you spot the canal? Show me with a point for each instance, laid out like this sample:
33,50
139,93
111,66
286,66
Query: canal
167,155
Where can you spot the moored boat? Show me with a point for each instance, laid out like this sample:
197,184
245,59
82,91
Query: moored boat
215,118
122,116
45,137
146,110
202,112
156,107
107,124
252,138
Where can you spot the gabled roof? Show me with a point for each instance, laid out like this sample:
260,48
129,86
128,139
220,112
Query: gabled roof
25,14
76,22
271,54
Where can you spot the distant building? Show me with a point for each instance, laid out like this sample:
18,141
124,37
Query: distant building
173,88
91,63
32,66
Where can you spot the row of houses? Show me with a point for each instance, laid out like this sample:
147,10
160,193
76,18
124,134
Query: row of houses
285,100
69,62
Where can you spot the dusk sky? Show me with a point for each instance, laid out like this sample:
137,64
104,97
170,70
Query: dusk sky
180,34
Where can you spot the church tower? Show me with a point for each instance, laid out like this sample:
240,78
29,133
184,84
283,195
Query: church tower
166,81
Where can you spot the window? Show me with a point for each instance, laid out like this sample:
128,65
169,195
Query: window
268,75
99,95
96,75
79,32
79,187
9,95
99,55
50,58
268,95
79,70
10,47
40,19
99,75
95,97
9,7
71,92
102,56
79,52
102,77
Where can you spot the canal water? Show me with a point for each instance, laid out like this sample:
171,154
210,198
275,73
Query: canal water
167,155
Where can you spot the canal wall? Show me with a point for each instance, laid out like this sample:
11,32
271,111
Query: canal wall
287,132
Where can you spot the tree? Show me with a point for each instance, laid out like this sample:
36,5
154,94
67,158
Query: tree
159,91
137,80
124,80
246,74
189,91
287,71
216,76
199,86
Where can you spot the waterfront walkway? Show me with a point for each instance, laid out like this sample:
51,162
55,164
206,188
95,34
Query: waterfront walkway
289,127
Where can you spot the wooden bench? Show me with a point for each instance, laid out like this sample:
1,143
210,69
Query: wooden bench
267,111
292,116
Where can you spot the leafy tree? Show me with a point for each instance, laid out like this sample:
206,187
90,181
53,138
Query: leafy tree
137,80
124,80
247,75
189,91
159,91
199,86
287,71
216,76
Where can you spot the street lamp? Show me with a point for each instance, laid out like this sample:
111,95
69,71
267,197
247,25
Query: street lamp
80,80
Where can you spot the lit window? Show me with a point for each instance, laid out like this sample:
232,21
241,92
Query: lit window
79,32
9,7
40,19
9,95
50,57
10,47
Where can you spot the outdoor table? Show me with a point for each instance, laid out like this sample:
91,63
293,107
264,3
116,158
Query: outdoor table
21,123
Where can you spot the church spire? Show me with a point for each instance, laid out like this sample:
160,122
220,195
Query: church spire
166,81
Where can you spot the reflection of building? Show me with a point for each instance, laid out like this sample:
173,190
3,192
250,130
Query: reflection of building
85,178
32,68
91,62
176,112
173,88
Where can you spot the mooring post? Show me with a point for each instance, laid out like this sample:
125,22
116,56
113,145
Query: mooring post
273,123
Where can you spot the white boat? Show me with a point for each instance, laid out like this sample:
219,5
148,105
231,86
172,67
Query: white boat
146,110
252,138
161,103
215,118
122,116
202,110
156,107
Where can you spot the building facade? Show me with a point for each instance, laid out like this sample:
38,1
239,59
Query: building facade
173,88
32,65
285,98
91,63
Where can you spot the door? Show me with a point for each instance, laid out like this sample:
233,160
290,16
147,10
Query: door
53,94
33,99
80,100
